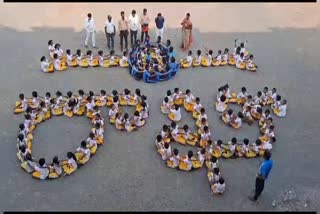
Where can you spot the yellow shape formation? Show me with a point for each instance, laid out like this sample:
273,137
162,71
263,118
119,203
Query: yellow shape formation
39,109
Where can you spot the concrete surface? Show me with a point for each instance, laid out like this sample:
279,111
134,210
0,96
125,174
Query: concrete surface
127,173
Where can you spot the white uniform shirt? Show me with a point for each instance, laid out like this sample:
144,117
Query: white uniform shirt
134,22
110,26
90,25
45,66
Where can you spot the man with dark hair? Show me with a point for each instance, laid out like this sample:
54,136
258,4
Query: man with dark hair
124,31
90,30
110,30
134,26
159,26
263,174
145,20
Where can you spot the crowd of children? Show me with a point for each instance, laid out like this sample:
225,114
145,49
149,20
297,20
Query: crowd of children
251,110
39,109
240,58
153,61
203,138
60,60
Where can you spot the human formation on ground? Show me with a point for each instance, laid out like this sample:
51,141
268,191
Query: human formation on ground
40,109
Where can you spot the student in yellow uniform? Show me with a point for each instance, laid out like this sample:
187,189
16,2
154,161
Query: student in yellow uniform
165,107
28,164
58,64
250,66
214,176
221,105
21,105
46,66
204,123
237,122
128,123
197,60
199,161
92,143
272,95
55,168
229,151
174,131
98,131
227,116
71,59
175,113
201,115
93,60
242,96
123,62
41,171
196,109
225,57
256,112
51,48
166,152
189,101
89,107
60,53
174,160
82,60
217,60
178,96
22,153
205,136
83,153
207,61
70,165
186,162
240,62
28,123
187,62
165,133
219,187
159,143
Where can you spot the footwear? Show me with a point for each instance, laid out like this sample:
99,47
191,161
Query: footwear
86,46
252,199
95,47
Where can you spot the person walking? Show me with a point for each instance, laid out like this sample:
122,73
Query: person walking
186,32
263,174
134,26
110,30
159,26
145,20
90,28
123,31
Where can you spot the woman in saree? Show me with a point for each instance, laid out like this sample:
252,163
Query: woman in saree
186,32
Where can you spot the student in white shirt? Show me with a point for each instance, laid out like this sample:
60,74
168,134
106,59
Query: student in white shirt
187,62
70,165
283,109
237,122
166,152
196,109
90,28
187,163
55,168
174,159
219,187
46,66
51,48
165,107
83,153
110,30
21,105
71,58
92,143
123,62
197,60
175,113
134,26
217,60
42,170
221,104
240,62
58,64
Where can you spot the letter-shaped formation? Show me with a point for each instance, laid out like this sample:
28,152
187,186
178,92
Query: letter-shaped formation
39,109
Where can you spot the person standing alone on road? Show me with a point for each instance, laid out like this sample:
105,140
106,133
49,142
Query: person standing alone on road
264,171
159,26
134,26
145,20
110,30
124,31
90,30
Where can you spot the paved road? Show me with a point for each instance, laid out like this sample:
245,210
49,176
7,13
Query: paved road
126,173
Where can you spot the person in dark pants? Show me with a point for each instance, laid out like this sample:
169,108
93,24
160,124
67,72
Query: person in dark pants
134,26
145,20
124,31
264,171
110,30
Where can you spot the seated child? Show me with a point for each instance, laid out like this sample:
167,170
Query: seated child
93,60
82,60
175,113
186,163
98,132
219,187
92,143
178,96
51,48
256,112
281,111
250,66
166,152
247,115
240,62
123,62
225,57
196,109
197,60
229,151
165,107
199,161
46,66
187,62
221,105
217,60
41,171
58,64
205,136
189,101
83,153
201,116
71,59
227,116
112,114
55,168
70,165
137,120
214,176
207,61
242,96
237,122
21,105
174,160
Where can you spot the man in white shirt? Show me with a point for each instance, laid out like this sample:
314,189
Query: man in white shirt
110,30
90,30
134,26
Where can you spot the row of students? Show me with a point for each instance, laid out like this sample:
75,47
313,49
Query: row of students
239,58
152,62
60,60
40,169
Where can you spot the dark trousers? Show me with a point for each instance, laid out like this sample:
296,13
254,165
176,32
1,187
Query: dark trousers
142,34
259,187
110,40
124,36
133,37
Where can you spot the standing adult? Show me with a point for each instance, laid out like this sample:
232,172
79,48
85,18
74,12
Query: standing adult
124,31
90,30
159,26
263,174
134,26
186,32
110,30
145,20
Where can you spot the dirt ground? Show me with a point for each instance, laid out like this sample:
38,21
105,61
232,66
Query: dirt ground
127,173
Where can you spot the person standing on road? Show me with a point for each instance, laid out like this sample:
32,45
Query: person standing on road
186,32
263,174
134,26
110,30
159,26
90,30
145,20
124,31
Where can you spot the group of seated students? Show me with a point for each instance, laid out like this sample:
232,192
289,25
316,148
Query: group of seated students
202,139
251,110
240,58
152,61
39,109
60,60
